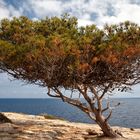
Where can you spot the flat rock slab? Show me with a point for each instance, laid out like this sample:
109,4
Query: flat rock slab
32,127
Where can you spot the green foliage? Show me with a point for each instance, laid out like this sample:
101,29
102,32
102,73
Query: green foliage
55,52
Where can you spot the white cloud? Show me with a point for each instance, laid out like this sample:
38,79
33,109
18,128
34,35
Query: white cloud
3,10
82,22
14,12
88,11
123,11
46,7
49,8
129,12
7,11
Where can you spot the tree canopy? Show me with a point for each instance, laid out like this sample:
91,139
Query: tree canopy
57,54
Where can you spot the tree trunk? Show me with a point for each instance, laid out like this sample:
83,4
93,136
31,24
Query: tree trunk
107,130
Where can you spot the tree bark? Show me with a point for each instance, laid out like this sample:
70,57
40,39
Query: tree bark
107,130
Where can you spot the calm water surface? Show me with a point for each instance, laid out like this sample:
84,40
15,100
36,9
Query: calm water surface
127,114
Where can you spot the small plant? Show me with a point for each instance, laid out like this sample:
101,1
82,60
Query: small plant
47,116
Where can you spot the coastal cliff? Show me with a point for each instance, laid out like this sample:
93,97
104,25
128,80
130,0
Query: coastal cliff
33,127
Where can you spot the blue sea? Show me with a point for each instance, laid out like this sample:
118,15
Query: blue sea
126,115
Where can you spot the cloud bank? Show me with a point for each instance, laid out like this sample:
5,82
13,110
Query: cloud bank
87,11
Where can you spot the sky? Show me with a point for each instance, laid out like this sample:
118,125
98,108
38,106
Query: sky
88,12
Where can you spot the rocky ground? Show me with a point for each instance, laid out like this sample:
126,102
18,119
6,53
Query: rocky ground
31,127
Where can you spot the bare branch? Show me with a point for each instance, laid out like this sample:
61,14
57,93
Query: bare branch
59,93
117,104
108,106
99,101
71,94
51,95
107,118
105,91
87,98
79,95
74,102
94,92
84,93
135,82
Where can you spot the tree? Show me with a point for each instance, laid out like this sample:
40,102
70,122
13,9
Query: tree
89,62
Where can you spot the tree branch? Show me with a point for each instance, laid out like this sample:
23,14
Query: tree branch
94,92
59,93
51,95
73,102
87,98
107,118
108,105
105,90
84,93
97,97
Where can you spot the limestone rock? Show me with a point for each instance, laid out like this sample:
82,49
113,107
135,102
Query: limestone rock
9,128
32,127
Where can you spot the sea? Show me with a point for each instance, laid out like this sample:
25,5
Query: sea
127,114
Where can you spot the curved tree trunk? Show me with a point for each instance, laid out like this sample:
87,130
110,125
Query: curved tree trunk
107,130
90,109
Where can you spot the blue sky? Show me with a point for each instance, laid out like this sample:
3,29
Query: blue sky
88,12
